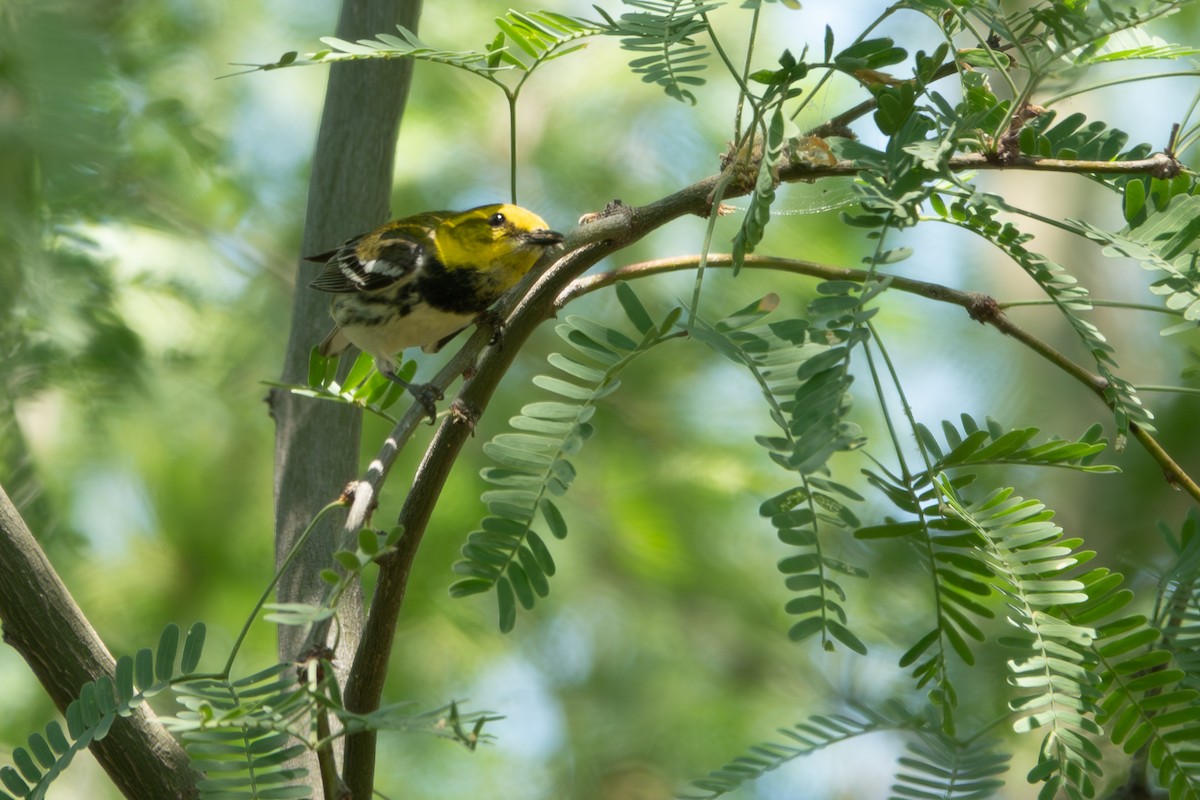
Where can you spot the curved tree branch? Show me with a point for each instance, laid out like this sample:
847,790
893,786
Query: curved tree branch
601,235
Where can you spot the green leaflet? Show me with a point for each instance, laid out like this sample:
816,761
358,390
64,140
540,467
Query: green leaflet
803,739
769,149
447,722
403,44
935,764
242,733
99,703
965,576
979,445
245,734
533,464
1162,228
1133,44
806,386
363,386
539,35
662,31
799,515
870,54
1075,138
758,214
1164,240
1053,671
962,587
1061,35
939,766
1150,694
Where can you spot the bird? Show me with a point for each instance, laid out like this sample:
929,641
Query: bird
418,281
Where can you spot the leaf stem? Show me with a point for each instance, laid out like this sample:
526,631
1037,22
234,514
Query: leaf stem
709,229
262,600
1171,389
1175,312
1058,98
511,97
905,406
744,83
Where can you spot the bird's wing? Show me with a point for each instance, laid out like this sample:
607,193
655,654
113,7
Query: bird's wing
376,260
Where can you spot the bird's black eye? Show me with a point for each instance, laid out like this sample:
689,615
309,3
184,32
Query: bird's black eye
496,220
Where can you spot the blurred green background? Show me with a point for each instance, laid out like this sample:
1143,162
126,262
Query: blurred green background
149,225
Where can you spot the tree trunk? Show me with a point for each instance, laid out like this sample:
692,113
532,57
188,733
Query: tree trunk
317,443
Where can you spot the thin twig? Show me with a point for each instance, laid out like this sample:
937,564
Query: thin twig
1158,165
981,307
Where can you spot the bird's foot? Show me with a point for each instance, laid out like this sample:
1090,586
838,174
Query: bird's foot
426,394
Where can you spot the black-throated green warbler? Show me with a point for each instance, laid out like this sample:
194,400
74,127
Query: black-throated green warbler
417,281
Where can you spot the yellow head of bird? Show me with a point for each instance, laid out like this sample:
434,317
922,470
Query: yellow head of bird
499,237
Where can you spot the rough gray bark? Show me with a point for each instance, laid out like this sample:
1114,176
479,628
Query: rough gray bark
43,623
317,444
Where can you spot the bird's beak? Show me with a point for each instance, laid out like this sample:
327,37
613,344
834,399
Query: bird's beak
543,236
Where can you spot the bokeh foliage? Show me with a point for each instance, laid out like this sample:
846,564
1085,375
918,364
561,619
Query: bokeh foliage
149,216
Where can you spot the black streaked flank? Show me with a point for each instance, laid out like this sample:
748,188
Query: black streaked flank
458,291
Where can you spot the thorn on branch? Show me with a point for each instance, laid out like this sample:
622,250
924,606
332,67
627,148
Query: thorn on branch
1173,140
614,207
1172,480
